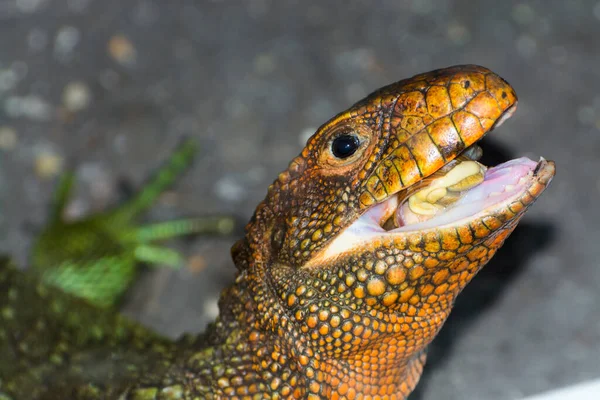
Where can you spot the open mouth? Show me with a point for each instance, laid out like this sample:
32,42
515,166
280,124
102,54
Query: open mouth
462,191
403,212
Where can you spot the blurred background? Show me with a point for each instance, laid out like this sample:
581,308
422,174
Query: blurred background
110,86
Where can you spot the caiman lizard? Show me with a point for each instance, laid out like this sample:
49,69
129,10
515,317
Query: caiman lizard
347,270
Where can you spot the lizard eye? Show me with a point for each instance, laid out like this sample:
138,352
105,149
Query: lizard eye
344,146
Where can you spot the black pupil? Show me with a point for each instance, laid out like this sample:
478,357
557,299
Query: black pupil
344,146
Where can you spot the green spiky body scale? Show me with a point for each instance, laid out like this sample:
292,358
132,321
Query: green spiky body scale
97,257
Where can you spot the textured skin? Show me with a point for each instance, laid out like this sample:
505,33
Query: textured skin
97,257
298,323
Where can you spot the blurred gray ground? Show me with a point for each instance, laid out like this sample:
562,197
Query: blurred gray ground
110,86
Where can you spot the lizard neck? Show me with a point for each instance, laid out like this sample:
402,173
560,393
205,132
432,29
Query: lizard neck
389,375
316,353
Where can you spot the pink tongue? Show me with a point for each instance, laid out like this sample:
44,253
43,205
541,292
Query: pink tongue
523,164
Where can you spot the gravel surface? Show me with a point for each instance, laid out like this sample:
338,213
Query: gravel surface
110,87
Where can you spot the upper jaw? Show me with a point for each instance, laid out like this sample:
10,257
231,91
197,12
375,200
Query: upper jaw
433,118
507,191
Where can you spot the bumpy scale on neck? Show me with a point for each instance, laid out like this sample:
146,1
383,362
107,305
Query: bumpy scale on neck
359,325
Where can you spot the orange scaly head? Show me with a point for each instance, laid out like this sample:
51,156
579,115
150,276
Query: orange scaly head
356,255
393,138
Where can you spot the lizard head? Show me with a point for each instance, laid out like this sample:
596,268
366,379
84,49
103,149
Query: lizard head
372,156
386,215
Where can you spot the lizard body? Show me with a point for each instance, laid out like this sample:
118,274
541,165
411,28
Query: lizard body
329,301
